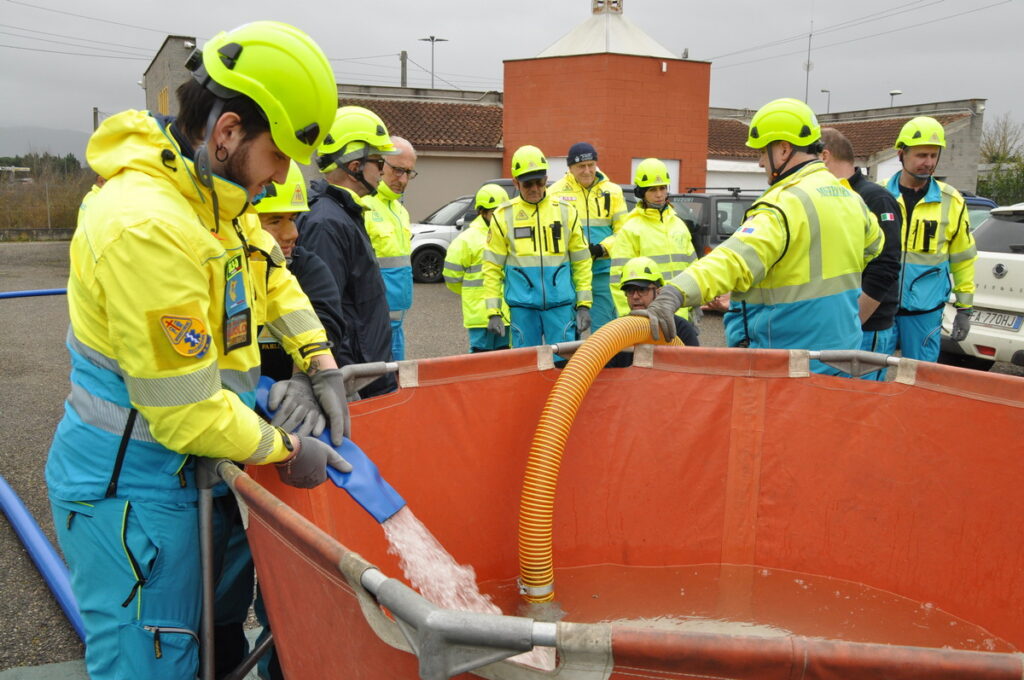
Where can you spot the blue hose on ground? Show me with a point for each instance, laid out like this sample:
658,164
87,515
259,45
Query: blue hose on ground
39,548
364,484
33,293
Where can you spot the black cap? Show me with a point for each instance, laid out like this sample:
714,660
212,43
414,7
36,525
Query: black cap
581,152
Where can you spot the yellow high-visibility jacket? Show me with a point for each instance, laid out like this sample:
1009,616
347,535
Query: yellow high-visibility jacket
657,234
601,208
535,257
794,266
387,224
165,299
464,273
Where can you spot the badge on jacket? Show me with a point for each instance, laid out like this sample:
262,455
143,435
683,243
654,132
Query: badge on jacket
237,316
187,334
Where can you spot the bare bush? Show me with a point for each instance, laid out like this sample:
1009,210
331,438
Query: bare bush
50,200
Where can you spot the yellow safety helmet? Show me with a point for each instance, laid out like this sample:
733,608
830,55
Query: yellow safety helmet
788,120
489,197
281,69
355,134
289,197
921,131
528,162
651,173
641,269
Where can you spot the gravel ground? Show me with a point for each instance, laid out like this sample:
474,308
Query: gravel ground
34,382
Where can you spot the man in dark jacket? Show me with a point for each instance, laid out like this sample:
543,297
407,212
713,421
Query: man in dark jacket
879,290
351,159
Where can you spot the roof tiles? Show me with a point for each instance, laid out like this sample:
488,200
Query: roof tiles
440,126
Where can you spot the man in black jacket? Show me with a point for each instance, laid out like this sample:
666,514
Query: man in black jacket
879,290
351,159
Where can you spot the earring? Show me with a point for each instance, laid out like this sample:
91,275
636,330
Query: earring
219,151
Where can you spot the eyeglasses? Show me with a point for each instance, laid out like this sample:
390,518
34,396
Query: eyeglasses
531,183
637,290
379,162
401,171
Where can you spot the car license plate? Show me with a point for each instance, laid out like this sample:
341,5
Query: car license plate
984,317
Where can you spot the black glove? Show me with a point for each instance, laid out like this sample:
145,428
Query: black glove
496,325
307,468
295,406
597,250
329,388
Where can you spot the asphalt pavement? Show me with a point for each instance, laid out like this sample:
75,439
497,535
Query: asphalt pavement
33,385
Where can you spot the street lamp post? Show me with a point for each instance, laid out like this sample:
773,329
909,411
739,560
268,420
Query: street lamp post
828,104
432,39
892,96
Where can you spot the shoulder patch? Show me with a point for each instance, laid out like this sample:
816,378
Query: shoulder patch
186,334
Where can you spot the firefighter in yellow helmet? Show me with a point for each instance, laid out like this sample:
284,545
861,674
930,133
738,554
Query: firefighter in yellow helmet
352,158
537,261
163,298
387,223
936,241
463,272
794,265
602,211
652,230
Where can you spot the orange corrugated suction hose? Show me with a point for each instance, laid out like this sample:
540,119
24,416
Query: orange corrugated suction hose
536,505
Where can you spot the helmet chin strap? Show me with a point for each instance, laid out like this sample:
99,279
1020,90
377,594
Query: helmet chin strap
775,172
204,173
923,177
359,177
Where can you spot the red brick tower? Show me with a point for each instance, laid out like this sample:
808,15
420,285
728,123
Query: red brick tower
610,84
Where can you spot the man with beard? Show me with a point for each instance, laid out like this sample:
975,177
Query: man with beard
164,297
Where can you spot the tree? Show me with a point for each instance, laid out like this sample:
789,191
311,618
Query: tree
1002,140
1004,184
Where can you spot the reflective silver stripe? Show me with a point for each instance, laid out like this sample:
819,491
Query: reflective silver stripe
493,303
579,255
803,291
927,259
968,254
615,278
690,289
494,258
474,268
268,434
175,390
538,260
396,315
240,382
584,296
294,323
947,202
454,280
394,261
749,256
599,222
965,299
565,217
619,261
814,254
618,215
453,266
106,415
661,259
684,257
473,283
92,355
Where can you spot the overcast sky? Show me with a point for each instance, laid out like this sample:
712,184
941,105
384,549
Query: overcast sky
60,58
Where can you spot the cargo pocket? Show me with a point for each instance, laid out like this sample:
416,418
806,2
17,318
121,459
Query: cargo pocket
157,651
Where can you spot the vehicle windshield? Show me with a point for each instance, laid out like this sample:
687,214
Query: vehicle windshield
449,214
1001,234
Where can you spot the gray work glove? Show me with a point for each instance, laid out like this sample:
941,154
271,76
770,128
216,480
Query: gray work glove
496,325
295,406
582,319
329,388
662,313
308,467
961,324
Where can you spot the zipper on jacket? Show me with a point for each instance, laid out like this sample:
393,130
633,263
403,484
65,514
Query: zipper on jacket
541,251
158,651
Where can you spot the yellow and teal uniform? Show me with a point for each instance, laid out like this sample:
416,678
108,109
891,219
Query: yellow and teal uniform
794,267
164,300
657,234
387,224
464,275
536,260
602,211
936,244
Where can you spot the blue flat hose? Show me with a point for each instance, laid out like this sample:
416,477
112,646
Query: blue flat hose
364,484
33,293
39,548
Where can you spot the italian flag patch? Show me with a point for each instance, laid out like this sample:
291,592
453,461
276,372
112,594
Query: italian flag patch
888,217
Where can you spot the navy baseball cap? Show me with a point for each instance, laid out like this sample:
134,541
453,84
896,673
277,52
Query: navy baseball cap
581,152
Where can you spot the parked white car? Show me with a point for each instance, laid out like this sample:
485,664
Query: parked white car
996,333
432,236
